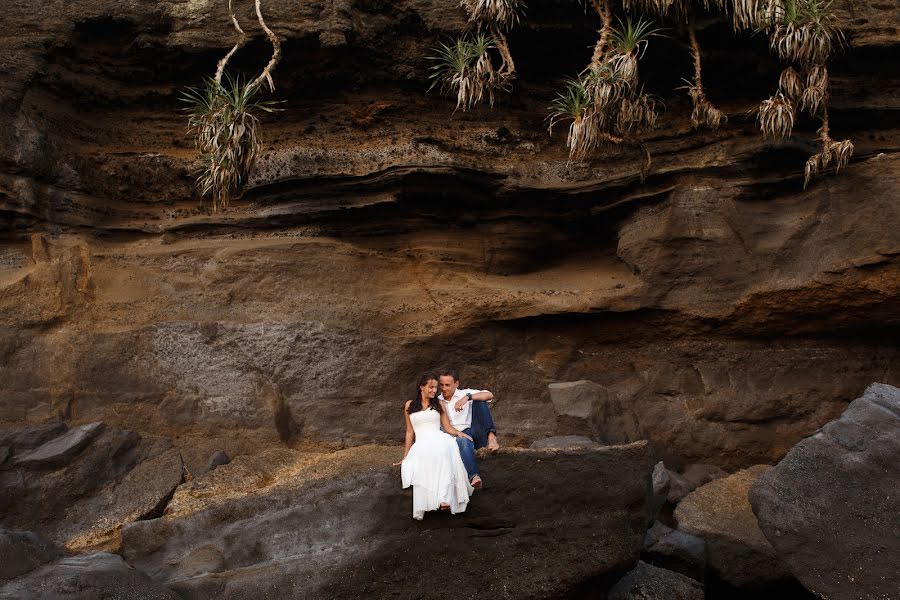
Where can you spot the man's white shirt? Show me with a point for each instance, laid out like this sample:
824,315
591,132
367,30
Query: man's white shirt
461,419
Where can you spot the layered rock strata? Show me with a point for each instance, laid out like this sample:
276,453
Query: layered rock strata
719,310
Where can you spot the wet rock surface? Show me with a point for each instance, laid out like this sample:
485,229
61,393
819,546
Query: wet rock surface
737,551
295,524
830,506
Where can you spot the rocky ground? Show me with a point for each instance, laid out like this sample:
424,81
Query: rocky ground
564,520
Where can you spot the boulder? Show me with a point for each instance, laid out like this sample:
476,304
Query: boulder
565,442
831,507
647,582
21,552
675,550
284,523
4,454
737,551
574,398
23,438
661,483
98,575
693,477
119,477
95,521
60,450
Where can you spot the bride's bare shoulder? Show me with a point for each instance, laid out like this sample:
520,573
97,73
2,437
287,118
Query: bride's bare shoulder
406,406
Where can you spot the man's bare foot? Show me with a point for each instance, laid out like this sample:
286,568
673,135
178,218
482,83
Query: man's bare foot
476,482
445,506
493,445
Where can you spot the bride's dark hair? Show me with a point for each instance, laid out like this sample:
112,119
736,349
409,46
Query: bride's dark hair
416,404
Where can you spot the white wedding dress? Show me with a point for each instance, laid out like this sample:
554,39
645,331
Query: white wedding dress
434,467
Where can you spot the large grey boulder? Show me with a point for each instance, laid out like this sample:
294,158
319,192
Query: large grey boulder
95,521
831,507
23,551
60,450
285,524
675,550
647,582
737,551
95,576
118,478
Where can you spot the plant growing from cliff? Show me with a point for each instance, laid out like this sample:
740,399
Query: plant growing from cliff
605,102
465,67
224,118
803,32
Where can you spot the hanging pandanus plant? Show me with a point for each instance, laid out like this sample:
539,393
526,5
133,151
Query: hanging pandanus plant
704,113
605,103
223,116
464,67
803,32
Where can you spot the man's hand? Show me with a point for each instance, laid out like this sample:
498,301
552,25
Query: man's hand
397,464
461,403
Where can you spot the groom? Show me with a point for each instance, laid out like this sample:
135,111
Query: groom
468,412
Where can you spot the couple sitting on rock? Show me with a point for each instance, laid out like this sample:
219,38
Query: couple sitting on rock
444,472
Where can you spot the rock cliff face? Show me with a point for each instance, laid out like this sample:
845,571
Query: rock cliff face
718,309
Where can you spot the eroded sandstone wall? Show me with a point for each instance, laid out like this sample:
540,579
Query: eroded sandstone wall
724,312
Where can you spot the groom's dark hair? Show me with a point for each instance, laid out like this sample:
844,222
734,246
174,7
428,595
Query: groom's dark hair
451,372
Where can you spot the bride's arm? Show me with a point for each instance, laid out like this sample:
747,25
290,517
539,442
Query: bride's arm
410,434
445,423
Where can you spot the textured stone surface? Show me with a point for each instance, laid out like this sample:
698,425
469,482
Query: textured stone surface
675,550
682,484
720,513
565,442
646,582
94,576
287,523
23,551
661,484
118,478
574,398
218,459
58,451
723,312
24,438
831,507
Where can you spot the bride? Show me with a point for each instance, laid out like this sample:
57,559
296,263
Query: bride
431,461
